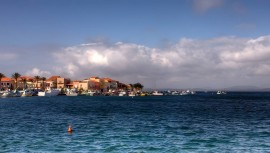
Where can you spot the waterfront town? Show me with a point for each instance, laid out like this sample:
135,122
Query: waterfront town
19,85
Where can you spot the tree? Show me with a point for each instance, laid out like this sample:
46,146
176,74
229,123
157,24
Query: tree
138,86
131,86
1,76
16,75
37,78
24,80
43,79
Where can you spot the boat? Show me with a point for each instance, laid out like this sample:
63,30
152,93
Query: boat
221,92
26,93
156,93
187,92
122,93
184,92
174,93
91,93
6,94
71,93
131,94
50,92
14,93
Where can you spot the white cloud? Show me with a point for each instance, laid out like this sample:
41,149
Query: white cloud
38,72
206,5
214,62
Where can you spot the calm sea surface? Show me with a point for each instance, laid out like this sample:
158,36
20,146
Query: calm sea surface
236,122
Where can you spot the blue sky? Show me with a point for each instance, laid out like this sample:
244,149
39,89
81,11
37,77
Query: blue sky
69,22
38,37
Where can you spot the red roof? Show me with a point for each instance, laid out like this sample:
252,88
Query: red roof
6,79
53,78
109,79
95,77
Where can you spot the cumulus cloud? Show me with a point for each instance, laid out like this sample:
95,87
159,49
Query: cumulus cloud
216,62
206,5
38,72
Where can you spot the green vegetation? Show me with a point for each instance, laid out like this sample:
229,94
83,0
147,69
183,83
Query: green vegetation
43,80
16,75
37,78
24,80
1,76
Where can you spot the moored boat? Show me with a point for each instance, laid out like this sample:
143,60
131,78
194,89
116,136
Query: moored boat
122,93
71,93
156,93
26,93
51,92
221,92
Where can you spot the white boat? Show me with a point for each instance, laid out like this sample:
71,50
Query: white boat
51,92
26,93
131,94
221,93
184,92
156,93
91,93
187,92
122,93
174,93
14,93
6,94
71,93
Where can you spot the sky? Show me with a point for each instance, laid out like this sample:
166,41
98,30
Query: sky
161,44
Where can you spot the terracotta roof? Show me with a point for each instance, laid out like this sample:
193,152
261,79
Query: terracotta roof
53,78
6,79
108,79
94,77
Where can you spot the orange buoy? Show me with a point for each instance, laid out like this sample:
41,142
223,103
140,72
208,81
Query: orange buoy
69,129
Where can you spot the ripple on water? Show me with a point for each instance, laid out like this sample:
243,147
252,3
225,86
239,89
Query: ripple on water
200,123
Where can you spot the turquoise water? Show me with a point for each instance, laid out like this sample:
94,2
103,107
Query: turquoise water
236,122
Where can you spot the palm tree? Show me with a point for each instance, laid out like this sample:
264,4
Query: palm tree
16,75
1,76
43,79
24,80
138,86
37,79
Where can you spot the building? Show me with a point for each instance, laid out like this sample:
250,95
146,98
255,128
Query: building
7,83
57,82
83,85
25,82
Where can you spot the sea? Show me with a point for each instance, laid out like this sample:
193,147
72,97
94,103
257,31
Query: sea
204,122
